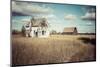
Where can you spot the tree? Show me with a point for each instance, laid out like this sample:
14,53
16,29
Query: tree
43,23
15,32
53,32
23,30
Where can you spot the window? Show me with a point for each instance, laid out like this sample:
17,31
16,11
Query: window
42,32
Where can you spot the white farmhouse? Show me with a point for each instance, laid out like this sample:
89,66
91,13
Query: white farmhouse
37,27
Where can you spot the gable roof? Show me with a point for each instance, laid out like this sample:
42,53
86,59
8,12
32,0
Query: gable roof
69,29
37,22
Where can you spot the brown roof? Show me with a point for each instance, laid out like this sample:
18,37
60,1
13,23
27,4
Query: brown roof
38,22
69,29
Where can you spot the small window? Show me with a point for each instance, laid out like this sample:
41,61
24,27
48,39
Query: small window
27,26
34,31
43,32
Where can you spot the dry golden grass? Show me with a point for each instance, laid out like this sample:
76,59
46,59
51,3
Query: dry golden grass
54,49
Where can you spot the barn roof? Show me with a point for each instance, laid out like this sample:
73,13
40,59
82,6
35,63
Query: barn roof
69,29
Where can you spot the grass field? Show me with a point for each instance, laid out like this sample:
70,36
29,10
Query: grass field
54,49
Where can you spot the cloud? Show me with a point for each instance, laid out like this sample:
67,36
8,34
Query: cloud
90,14
70,17
26,8
25,20
49,16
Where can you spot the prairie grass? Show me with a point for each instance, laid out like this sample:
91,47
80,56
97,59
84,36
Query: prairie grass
54,49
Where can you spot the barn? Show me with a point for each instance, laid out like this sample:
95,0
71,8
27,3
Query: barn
70,30
37,27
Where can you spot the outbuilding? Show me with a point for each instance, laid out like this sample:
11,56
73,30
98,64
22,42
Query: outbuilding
70,30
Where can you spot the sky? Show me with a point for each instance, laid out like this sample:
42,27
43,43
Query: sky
58,16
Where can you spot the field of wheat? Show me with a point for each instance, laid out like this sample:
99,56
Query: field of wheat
54,49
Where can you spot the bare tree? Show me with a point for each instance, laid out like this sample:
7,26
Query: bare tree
43,23
23,30
53,32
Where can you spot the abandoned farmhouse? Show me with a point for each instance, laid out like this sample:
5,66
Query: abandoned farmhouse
37,27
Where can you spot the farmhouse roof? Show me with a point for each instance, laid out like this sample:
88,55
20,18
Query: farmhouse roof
37,22
69,29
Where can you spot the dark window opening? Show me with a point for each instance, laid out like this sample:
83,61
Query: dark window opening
43,32
27,26
36,34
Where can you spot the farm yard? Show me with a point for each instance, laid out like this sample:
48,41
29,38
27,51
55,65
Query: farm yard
54,49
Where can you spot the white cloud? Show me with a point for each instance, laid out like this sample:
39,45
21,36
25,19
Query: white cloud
21,20
51,16
25,20
47,16
30,8
70,17
89,16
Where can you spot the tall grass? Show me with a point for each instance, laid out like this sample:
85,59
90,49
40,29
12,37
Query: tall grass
55,49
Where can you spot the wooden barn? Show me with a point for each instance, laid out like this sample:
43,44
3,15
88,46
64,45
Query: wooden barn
70,30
